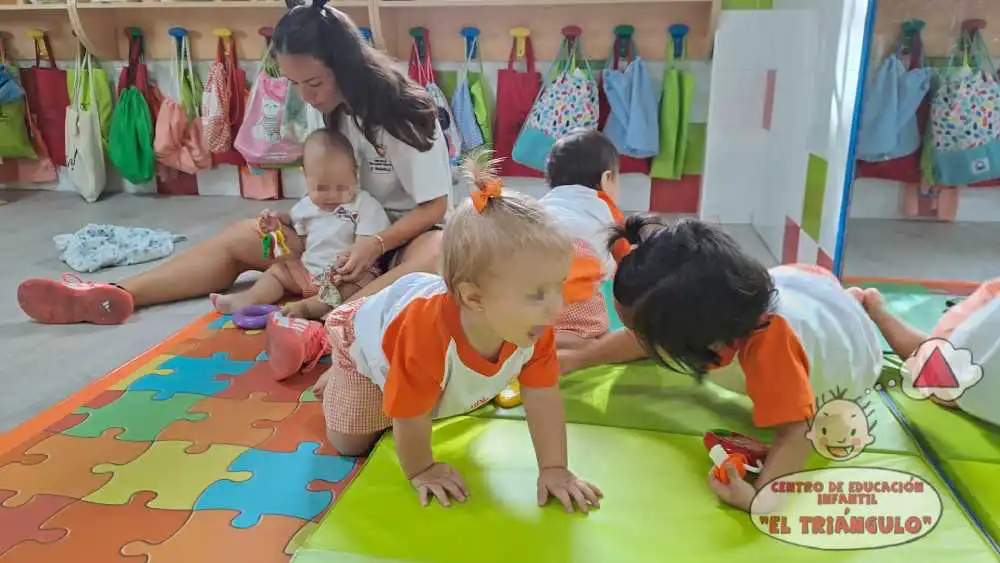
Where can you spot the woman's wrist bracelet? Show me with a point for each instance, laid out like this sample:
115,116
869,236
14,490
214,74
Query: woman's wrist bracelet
381,243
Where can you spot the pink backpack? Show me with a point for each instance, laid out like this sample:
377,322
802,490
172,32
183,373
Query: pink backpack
259,138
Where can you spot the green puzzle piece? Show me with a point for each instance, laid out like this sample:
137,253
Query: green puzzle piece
177,477
136,411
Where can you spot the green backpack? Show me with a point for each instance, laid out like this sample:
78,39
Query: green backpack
130,142
14,139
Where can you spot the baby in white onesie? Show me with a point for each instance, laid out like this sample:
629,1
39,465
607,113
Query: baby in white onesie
327,221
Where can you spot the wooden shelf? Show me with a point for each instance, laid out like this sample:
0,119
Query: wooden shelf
206,4
32,8
395,4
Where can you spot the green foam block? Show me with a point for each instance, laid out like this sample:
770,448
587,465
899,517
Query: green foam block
952,434
645,396
657,507
977,483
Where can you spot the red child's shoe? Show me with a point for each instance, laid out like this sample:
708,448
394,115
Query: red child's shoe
294,345
746,452
74,301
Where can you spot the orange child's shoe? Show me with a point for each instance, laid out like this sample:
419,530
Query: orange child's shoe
294,344
73,300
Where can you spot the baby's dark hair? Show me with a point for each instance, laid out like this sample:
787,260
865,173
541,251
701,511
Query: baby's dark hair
689,290
331,140
581,157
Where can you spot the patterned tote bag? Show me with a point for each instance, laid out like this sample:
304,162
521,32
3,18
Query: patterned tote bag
569,101
965,117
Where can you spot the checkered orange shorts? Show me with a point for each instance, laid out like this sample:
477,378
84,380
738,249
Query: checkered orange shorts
586,319
352,403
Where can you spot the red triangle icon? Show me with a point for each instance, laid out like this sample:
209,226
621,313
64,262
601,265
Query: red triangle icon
936,373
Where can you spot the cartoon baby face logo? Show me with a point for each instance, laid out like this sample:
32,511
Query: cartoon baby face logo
841,429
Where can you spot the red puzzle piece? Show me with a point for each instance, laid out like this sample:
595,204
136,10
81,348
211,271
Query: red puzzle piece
24,523
97,532
260,379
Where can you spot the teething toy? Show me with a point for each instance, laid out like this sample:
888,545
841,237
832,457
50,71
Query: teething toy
743,452
272,242
253,317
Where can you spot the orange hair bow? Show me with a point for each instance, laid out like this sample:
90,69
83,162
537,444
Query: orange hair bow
491,189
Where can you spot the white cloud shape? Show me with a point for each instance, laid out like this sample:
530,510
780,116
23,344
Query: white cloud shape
937,369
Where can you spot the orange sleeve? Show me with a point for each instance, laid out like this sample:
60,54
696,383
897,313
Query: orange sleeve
585,275
542,370
415,345
776,368
621,246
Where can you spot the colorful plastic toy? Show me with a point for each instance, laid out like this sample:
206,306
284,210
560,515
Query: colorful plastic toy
272,242
743,452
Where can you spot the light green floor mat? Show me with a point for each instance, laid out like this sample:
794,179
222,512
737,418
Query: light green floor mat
644,396
952,434
977,483
657,507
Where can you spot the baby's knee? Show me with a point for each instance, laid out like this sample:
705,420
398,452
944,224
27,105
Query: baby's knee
351,445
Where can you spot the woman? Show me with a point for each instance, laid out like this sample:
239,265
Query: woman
403,161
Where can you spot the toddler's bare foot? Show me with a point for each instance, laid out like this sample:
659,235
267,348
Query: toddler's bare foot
226,304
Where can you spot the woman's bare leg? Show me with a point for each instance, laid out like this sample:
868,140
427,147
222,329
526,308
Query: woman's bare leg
207,267
420,255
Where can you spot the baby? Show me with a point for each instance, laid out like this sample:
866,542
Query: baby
784,336
328,219
972,325
434,346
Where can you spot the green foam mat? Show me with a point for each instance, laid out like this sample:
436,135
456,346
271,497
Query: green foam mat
645,396
977,483
952,434
657,507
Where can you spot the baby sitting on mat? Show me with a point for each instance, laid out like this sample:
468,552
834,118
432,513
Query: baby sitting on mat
328,220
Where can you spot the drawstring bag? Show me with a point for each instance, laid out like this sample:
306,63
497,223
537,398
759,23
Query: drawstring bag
567,102
516,93
84,145
130,143
965,117
259,139
889,116
215,104
14,139
422,70
95,90
470,111
301,119
238,94
634,104
178,142
675,111
906,168
48,96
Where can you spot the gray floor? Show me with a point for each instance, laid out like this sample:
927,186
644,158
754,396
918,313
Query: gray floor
922,250
40,365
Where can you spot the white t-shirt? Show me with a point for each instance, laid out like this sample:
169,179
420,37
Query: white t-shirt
399,176
980,335
584,216
330,233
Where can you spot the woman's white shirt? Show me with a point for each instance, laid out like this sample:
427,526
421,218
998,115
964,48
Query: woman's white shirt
399,176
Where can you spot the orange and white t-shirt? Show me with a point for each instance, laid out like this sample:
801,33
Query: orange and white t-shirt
410,342
818,340
587,215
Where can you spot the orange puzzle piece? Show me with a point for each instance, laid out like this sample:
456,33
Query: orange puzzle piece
228,422
241,345
61,465
305,424
209,535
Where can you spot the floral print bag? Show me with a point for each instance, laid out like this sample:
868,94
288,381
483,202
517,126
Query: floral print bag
965,117
568,101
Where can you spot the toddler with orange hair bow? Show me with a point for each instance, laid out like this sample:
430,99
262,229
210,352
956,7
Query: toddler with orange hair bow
434,346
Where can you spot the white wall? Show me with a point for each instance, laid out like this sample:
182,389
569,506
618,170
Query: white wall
224,179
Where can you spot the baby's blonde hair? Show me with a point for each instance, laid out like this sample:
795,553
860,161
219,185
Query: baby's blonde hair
493,225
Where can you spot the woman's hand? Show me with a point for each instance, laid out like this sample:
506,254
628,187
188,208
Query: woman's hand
737,492
560,482
358,260
440,481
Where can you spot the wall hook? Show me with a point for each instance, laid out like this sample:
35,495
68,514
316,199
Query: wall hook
678,32
471,35
520,35
366,32
623,36
419,35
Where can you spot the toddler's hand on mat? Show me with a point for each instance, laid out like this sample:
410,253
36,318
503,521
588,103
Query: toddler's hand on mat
736,493
440,481
568,489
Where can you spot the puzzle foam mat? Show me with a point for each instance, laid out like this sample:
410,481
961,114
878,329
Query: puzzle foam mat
189,453
657,507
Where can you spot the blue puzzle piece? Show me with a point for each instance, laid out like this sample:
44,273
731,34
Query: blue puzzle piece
220,323
279,485
197,376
